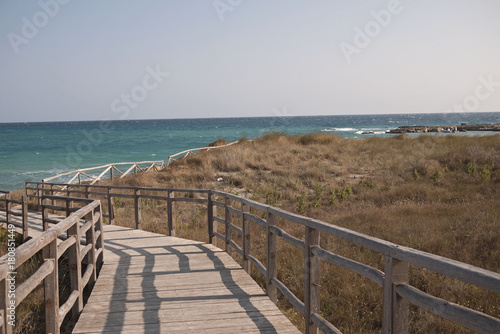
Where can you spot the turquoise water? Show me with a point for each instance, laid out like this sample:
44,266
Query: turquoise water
32,151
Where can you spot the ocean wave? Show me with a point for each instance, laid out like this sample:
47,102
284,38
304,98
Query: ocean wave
339,130
54,171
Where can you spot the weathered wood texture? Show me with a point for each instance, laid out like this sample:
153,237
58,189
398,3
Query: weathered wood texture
398,258
152,283
49,240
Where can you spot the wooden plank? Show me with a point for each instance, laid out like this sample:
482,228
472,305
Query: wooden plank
227,222
287,237
137,208
271,258
210,218
395,308
296,302
170,213
25,218
311,279
75,269
4,304
246,237
51,290
324,325
369,272
33,281
463,316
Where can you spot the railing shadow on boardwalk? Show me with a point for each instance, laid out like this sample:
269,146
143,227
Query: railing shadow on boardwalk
149,276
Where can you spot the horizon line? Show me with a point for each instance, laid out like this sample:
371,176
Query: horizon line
228,117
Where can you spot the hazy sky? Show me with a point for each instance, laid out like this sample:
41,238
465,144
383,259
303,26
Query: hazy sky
121,59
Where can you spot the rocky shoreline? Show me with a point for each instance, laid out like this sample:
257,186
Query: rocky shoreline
446,128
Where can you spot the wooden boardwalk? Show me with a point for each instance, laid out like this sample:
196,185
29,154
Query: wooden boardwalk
151,283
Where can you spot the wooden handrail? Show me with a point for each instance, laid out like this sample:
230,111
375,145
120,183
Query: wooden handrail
222,209
47,273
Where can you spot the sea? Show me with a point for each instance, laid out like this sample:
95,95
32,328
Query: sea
33,151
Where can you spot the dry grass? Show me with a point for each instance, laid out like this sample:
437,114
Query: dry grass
436,194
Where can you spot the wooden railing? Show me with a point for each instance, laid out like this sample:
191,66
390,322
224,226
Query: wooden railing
222,208
7,208
82,175
84,247
111,169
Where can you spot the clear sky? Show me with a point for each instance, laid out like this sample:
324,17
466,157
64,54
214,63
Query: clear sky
121,59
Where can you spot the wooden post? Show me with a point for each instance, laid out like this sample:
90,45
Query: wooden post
227,221
39,192
396,309
99,243
24,200
68,205
271,258
111,173
214,225
170,213
87,191
111,206
245,240
137,207
8,206
51,283
75,268
312,279
79,178
4,305
52,200
210,218
90,239
44,216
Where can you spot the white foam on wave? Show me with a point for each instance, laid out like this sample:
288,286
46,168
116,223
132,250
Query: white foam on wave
339,130
370,132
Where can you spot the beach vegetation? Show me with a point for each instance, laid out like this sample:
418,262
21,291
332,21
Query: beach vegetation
366,185
218,142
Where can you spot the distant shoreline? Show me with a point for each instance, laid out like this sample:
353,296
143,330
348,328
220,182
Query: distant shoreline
446,128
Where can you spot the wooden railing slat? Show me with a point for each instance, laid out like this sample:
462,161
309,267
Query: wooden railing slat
296,302
258,264
64,309
63,246
461,315
287,237
324,325
33,281
373,274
